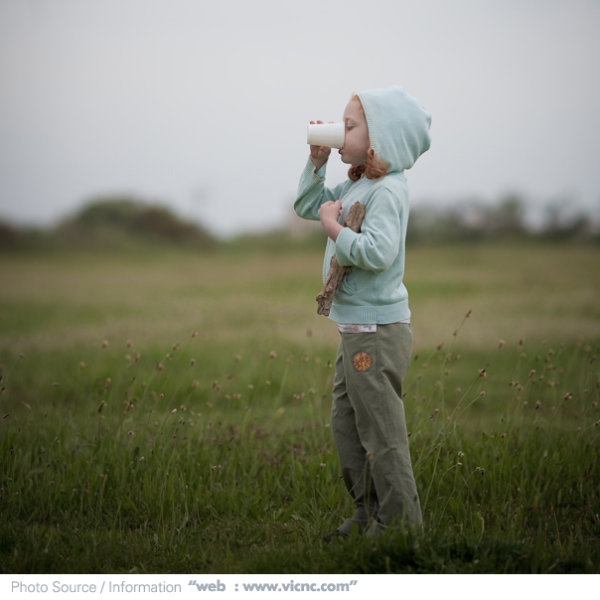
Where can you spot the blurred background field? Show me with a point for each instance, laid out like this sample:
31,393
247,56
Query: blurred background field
515,290
120,264
165,407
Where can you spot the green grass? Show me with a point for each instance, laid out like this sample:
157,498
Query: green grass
169,412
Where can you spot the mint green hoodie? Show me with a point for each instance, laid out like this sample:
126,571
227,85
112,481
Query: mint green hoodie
373,291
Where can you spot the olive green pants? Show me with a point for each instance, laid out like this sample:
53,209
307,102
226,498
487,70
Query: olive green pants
369,428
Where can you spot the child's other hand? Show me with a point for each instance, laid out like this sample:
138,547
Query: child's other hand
329,213
319,154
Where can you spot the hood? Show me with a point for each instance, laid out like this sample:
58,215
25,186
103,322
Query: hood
398,126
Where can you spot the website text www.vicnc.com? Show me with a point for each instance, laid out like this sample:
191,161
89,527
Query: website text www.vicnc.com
289,586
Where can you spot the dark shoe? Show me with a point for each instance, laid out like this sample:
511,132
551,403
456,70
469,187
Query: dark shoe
336,535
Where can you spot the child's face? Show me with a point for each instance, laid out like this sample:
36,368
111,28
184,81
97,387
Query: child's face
356,141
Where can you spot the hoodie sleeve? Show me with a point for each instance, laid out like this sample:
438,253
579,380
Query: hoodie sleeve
312,192
376,247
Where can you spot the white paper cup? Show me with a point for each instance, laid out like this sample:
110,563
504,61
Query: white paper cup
326,134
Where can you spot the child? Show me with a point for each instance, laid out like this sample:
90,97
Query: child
386,130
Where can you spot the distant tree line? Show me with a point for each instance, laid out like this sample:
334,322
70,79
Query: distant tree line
122,222
475,220
114,222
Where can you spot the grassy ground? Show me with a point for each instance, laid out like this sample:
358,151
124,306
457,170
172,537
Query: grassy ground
169,412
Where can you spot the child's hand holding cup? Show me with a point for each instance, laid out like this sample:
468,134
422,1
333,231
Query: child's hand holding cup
322,137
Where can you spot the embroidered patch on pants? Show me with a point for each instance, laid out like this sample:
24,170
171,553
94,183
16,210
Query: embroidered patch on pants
362,361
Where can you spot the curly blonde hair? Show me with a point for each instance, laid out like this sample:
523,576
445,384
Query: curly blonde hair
374,166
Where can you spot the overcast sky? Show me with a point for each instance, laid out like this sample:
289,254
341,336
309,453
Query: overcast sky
203,105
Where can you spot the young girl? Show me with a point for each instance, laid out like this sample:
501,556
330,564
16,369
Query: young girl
386,130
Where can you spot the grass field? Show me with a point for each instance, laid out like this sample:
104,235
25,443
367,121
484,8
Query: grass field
168,411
